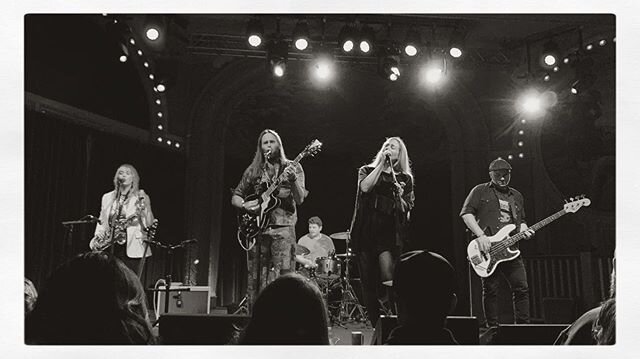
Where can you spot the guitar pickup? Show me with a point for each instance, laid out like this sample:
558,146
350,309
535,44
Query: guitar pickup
476,260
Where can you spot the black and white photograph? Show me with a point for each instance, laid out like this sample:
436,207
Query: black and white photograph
435,181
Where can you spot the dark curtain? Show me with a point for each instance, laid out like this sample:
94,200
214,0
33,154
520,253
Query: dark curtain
67,170
56,162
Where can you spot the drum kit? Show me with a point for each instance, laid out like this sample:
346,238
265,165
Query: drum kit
333,278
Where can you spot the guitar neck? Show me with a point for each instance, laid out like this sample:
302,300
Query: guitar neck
514,239
280,178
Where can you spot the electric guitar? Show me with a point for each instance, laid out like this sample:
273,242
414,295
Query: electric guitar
251,224
485,263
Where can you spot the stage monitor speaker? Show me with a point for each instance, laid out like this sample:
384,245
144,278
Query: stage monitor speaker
201,329
189,300
527,334
464,329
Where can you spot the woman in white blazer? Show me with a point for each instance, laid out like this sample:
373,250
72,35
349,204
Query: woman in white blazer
125,215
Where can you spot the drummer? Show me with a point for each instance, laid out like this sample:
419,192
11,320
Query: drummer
318,244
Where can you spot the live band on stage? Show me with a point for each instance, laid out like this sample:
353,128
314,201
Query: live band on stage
267,196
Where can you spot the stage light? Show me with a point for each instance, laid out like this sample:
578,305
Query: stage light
556,69
160,127
323,68
549,54
178,146
531,103
152,33
159,139
520,143
523,121
521,132
139,52
169,142
277,53
582,83
521,155
589,47
161,87
255,32
347,38
367,38
145,64
510,157
412,42
123,58
433,75
160,114
389,67
158,101
456,43
602,42
565,60
301,35
278,68
546,77
132,41
151,77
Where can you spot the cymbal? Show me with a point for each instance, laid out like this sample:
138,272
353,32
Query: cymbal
301,250
345,255
341,235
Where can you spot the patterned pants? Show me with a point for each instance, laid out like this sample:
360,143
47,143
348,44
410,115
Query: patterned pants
272,256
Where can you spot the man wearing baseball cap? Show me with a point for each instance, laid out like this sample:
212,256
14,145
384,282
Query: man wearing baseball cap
489,207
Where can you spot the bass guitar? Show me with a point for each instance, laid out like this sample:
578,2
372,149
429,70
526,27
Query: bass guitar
485,263
250,224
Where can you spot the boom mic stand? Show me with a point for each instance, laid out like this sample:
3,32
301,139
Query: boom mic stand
68,225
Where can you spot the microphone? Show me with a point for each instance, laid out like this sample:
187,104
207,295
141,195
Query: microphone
189,241
94,219
267,154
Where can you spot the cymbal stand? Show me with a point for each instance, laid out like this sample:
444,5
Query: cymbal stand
349,305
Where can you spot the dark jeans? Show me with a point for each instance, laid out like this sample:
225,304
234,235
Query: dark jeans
372,289
515,274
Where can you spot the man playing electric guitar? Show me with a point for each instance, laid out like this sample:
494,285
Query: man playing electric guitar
489,207
273,252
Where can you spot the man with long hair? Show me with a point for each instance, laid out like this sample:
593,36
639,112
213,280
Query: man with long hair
273,252
385,197
124,216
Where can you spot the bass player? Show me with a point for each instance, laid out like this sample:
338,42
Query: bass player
489,207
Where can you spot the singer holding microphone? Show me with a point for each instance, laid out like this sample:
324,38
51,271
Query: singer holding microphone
273,253
385,198
125,214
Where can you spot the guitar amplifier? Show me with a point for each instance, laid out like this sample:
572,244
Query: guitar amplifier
185,300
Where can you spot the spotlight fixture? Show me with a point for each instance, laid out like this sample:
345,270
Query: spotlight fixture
435,70
367,37
456,43
389,63
152,33
412,42
546,77
123,58
589,47
301,35
602,42
347,38
161,87
550,55
255,32
277,52
582,84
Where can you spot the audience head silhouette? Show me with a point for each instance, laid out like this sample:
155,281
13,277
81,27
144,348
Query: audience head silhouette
425,284
290,310
604,329
92,299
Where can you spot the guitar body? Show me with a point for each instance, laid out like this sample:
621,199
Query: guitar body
484,264
250,224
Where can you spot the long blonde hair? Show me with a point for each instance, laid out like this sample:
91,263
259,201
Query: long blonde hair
403,163
257,164
135,185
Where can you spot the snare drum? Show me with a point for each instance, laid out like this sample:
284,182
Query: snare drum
328,267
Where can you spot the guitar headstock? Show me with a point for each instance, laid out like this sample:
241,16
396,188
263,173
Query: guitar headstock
576,203
151,230
312,148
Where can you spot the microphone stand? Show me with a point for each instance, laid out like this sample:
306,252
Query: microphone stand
168,274
68,225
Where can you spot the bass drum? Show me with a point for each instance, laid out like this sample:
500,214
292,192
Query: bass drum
328,268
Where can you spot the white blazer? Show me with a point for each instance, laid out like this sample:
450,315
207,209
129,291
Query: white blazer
135,234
